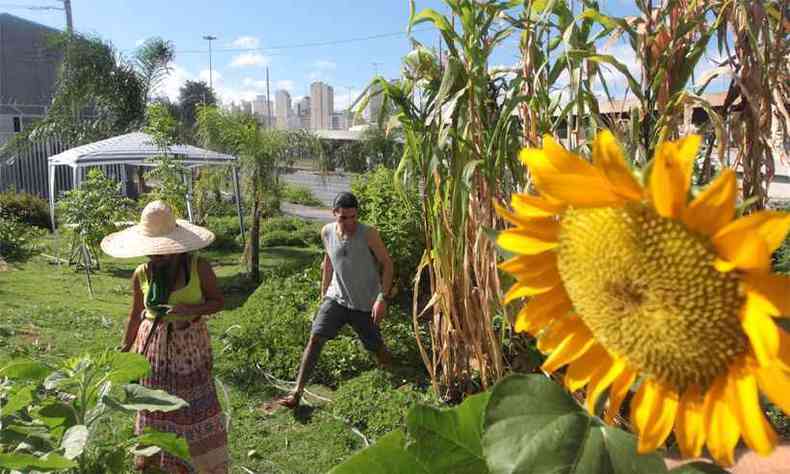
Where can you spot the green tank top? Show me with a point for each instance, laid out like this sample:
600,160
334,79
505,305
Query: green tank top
192,293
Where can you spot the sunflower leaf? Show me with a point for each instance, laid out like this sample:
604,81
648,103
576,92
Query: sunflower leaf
388,456
532,425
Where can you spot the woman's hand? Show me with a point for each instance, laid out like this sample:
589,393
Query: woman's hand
181,310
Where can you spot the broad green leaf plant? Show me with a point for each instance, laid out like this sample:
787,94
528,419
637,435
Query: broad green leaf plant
56,417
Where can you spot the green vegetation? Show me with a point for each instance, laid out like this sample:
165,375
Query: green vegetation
299,195
17,239
24,207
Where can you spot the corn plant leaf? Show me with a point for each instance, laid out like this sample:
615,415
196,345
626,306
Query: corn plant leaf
633,84
17,400
448,441
533,426
387,456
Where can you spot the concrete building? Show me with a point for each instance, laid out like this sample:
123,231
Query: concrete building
322,105
282,107
303,110
263,110
342,120
372,112
28,71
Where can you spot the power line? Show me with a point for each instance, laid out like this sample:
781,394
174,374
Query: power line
304,45
29,7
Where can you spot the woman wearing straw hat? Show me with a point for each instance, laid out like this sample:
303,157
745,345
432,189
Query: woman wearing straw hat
172,295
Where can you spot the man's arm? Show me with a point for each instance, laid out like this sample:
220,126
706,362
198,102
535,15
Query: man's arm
326,267
380,251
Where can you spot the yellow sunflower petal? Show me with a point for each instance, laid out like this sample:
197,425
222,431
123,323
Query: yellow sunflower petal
763,333
530,241
608,157
722,426
534,206
744,403
581,370
770,226
534,285
525,266
565,177
690,423
670,177
770,291
607,373
714,207
575,341
653,412
775,384
560,329
521,220
743,250
542,310
620,388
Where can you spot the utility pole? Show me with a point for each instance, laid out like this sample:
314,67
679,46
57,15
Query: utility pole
69,19
268,102
210,38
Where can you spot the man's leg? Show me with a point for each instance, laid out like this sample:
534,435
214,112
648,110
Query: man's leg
309,359
370,335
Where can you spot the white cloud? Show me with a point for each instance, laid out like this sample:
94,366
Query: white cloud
286,84
139,43
325,64
249,59
254,83
247,42
216,77
173,81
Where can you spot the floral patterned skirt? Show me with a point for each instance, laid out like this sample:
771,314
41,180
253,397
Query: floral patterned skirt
182,365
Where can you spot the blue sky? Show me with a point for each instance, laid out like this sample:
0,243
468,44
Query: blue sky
279,27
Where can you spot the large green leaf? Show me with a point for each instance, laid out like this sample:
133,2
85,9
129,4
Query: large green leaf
27,462
170,442
533,426
139,397
56,414
128,366
388,456
74,441
448,441
18,400
25,370
699,468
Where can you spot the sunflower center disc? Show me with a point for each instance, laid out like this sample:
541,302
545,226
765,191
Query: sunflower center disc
647,289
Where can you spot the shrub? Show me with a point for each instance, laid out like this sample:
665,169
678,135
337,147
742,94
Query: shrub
299,195
17,239
375,403
396,215
26,208
227,231
290,231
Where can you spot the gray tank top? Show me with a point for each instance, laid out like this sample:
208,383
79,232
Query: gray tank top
355,282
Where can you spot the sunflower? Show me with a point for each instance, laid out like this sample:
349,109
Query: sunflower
632,284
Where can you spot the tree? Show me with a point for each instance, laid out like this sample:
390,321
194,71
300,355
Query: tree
168,173
192,94
260,151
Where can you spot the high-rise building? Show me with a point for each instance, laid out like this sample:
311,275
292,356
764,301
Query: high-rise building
303,112
322,105
282,104
375,100
263,110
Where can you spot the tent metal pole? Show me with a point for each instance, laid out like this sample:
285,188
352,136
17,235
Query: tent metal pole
51,169
237,189
188,179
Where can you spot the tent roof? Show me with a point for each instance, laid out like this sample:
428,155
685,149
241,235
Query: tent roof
134,149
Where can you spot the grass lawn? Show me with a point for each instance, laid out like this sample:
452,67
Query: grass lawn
47,313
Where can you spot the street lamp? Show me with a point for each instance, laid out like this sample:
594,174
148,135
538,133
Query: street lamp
210,38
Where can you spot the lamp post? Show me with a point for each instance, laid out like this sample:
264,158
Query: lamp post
210,38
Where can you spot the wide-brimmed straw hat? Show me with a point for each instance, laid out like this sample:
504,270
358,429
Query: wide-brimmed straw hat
158,233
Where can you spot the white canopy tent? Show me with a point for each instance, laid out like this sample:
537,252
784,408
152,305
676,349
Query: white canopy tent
137,149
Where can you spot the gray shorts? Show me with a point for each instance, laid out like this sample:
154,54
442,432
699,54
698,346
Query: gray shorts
332,316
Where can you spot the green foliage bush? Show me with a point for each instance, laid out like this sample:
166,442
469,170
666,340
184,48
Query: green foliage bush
276,326
226,230
397,217
290,231
376,402
17,239
27,208
299,195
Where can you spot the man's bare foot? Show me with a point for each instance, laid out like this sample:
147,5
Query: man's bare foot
290,401
384,358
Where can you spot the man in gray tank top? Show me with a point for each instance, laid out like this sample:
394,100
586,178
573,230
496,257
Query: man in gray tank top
353,291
